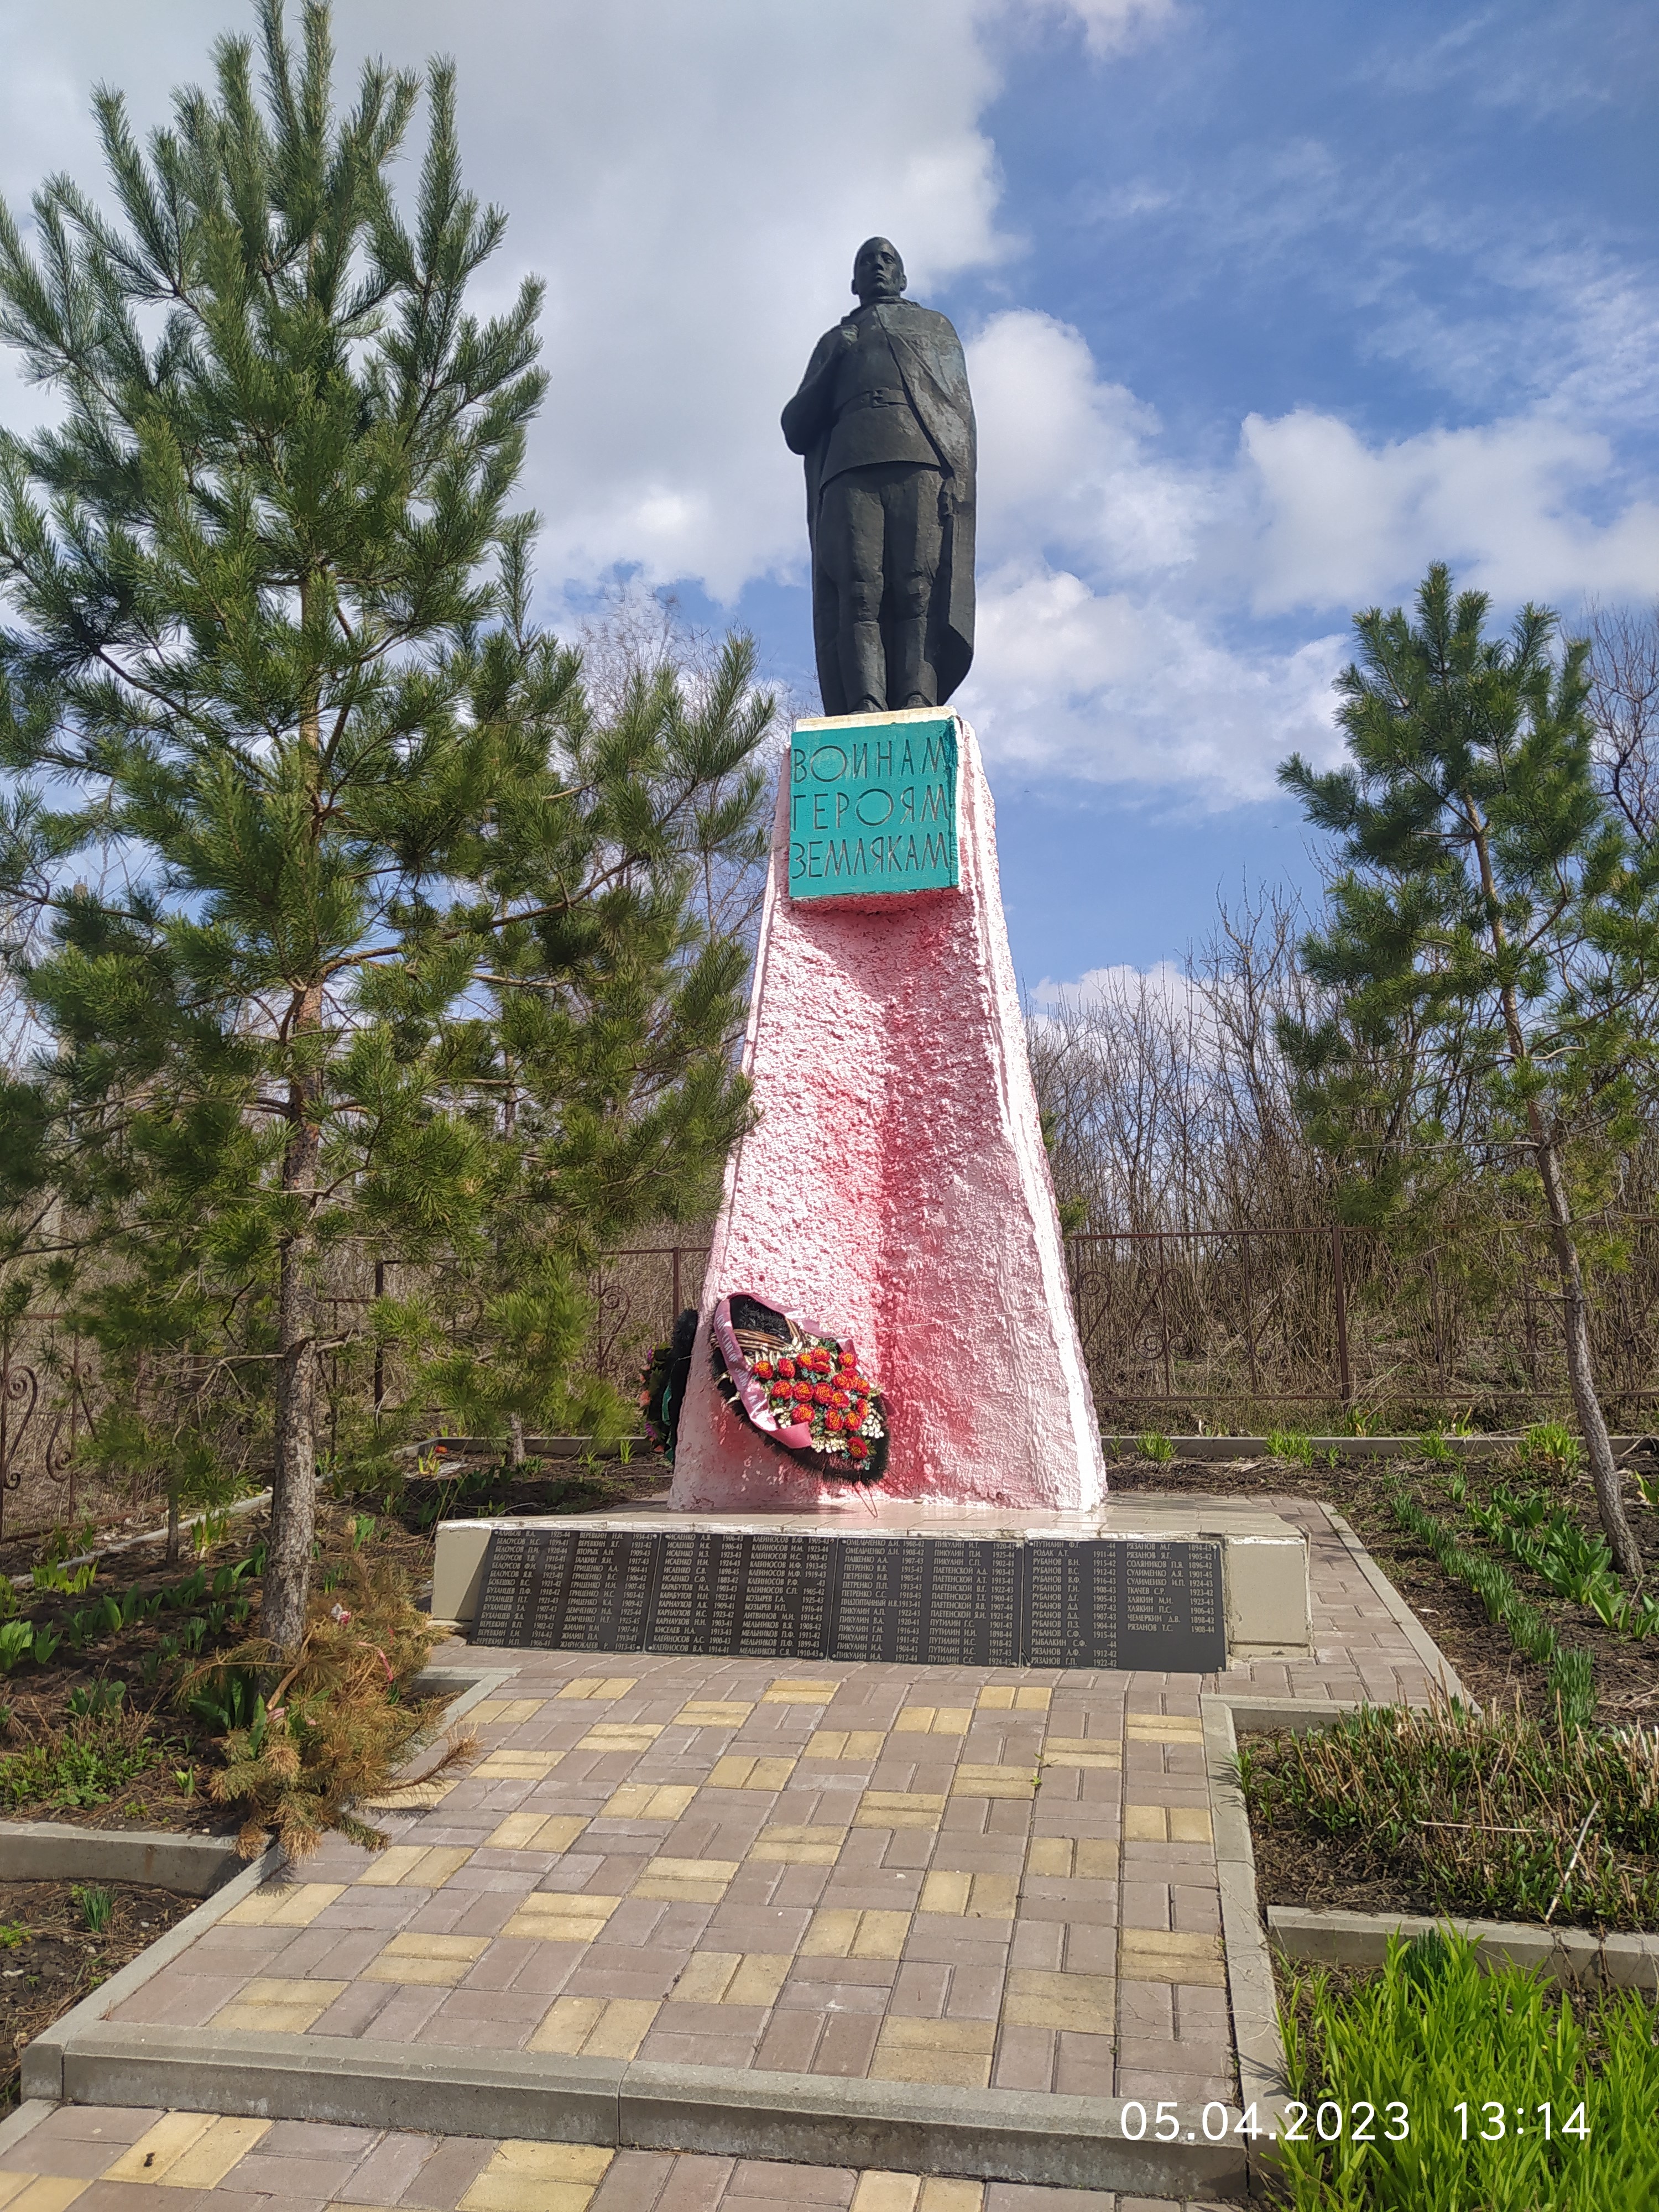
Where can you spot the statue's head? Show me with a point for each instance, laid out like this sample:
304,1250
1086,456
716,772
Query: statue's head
877,272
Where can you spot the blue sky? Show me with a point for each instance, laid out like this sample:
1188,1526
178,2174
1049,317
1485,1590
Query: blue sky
1266,306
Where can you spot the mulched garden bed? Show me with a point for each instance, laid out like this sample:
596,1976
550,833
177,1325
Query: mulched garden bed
50,1957
1487,1663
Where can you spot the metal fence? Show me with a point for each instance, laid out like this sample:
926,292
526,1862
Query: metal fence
1178,1324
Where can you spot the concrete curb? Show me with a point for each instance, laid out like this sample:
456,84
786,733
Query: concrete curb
1122,1448
53,1850
1564,1955
1252,1993
43,2062
232,1512
1439,1667
998,2135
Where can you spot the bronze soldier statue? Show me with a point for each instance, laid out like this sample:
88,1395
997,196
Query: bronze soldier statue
886,422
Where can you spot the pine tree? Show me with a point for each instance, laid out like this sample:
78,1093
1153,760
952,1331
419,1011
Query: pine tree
1471,934
321,820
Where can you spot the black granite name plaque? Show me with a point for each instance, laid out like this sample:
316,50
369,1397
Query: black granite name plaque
926,1600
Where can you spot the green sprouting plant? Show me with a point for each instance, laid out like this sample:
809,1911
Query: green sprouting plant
49,1575
364,1527
1496,1814
1292,1445
211,1529
184,1776
1432,1445
1550,1540
95,1700
1550,1448
16,1644
82,1765
46,1641
97,1906
1568,1672
1517,2097
227,1697
1154,1445
12,1933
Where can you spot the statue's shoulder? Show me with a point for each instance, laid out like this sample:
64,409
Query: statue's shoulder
923,322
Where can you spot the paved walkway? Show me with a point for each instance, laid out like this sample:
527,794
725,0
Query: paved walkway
962,1875
101,2159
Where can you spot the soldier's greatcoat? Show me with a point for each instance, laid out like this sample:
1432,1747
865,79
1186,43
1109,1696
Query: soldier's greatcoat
927,354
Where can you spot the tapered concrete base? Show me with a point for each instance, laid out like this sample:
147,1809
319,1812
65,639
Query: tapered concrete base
895,1190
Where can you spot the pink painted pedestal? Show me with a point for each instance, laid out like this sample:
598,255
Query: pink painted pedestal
896,1191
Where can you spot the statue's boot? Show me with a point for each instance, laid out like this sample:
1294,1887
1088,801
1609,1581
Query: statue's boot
916,684
864,668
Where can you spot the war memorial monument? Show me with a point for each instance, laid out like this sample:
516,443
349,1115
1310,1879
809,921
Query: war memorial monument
882,1438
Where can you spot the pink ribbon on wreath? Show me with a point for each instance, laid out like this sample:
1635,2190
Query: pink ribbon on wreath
751,1394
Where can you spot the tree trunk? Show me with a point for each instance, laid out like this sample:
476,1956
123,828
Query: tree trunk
515,1436
173,1525
1587,1404
294,1477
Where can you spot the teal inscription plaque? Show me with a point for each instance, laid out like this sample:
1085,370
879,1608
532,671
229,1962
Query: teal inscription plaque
873,809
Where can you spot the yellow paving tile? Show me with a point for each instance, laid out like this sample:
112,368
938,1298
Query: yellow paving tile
1156,1954
408,1865
934,1720
1166,1824
518,1765
1004,1697
843,1932
510,1711
713,1712
789,1690
1081,1751
951,2051
537,1831
915,2192
602,2027
1163,1728
561,1916
283,1905
599,1685
538,2176
898,1808
1034,1998
160,2147
696,1882
974,1780
648,1800
796,1844
432,1961
1079,1858
215,2155
1145,1823
736,1977
41,2193
736,1772
846,1743
622,1735
271,2005
971,1896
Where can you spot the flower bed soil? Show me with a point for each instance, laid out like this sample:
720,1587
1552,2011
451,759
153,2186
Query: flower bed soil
1488,1663
50,1959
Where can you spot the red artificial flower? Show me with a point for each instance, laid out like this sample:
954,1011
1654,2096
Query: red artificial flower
846,1357
858,1448
801,1390
833,1421
822,1393
786,1368
840,1398
762,1370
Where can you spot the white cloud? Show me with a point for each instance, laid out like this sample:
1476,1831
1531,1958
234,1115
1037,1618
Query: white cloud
1509,504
